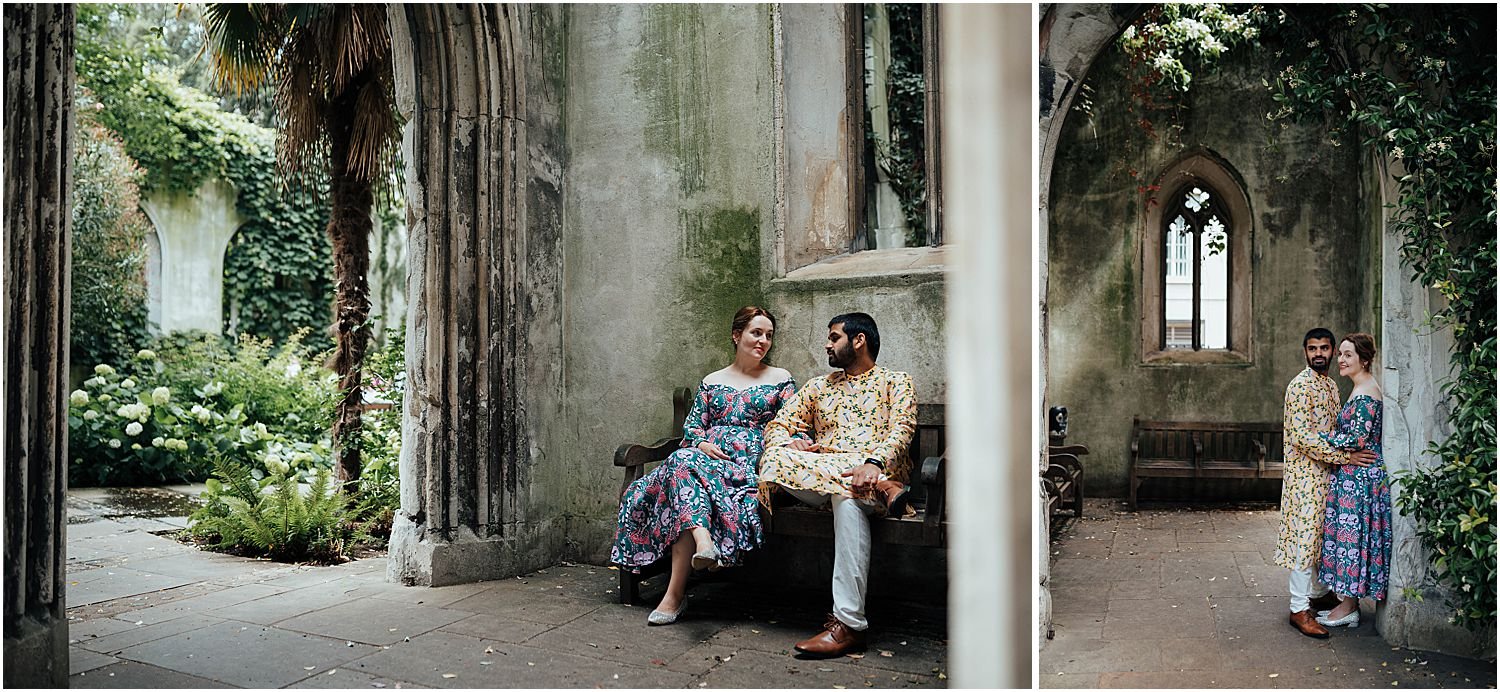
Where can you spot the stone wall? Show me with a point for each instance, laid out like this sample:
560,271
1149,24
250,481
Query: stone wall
1312,260
187,268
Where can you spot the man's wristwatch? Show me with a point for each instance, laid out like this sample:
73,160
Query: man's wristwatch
877,463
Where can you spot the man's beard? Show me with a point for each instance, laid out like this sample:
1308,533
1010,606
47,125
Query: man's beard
1316,367
841,357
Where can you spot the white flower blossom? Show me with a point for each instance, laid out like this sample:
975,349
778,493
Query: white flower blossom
114,444
78,397
213,388
146,354
158,441
161,395
102,369
176,444
128,383
104,398
135,445
133,429
90,415
94,382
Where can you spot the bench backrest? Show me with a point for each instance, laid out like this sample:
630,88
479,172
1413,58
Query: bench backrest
1192,440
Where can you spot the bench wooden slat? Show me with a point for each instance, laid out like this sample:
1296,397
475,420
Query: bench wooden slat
1199,449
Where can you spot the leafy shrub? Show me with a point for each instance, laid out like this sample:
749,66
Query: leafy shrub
161,418
380,452
274,516
109,235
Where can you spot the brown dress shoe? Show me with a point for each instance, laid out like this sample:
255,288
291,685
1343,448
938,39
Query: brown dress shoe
1325,602
836,639
894,495
1307,623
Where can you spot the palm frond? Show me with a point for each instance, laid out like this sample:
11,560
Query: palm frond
246,39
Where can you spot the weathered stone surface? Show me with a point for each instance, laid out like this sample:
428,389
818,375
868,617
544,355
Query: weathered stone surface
244,655
358,622
132,675
38,226
185,274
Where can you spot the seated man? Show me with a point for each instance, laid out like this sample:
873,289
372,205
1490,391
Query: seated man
861,419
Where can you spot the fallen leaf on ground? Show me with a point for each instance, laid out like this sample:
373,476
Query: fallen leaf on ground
450,675
887,654
855,656
1274,675
658,662
308,667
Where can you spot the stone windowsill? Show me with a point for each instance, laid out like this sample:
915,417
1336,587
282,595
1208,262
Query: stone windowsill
1178,358
896,267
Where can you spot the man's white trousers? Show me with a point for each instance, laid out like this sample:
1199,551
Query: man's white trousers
851,553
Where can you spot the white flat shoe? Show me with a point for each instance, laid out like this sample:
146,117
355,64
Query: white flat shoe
1351,620
659,617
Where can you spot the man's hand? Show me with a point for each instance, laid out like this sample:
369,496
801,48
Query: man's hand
712,450
1363,457
802,445
862,478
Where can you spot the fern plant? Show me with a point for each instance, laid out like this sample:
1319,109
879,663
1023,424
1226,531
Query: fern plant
275,517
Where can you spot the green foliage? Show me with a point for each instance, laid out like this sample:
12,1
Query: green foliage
109,234
274,516
380,432
277,269
903,159
1416,84
161,418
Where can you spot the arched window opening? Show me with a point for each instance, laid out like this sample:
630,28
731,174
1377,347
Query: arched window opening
1195,278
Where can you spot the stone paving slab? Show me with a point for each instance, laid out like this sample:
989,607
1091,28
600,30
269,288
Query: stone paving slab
244,654
132,675
343,678
288,604
1212,615
386,623
134,633
120,582
200,604
80,660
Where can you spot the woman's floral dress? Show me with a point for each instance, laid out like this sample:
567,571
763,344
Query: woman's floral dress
1357,519
692,489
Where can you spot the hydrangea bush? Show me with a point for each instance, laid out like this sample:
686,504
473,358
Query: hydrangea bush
160,419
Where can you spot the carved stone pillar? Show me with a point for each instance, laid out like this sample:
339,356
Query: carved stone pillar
38,221
461,76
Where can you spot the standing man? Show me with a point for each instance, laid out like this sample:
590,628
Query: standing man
861,419
1311,407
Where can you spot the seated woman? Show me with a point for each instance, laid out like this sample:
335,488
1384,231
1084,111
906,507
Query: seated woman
700,505
1357,517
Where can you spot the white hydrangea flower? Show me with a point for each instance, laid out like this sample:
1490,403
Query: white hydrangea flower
161,395
133,429
104,398
114,444
179,445
78,397
158,441
135,445
128,383
102,369
146,354
213,388
90,415
94,382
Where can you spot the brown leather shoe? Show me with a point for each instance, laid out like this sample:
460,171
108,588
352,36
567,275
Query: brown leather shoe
1306,622
894,495
836,639
1325,602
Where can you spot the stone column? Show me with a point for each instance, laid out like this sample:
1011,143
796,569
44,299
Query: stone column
1411,364
38,222
192,231
987,76
462,75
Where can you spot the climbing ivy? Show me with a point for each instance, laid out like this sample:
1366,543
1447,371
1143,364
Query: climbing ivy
277,270
1415,84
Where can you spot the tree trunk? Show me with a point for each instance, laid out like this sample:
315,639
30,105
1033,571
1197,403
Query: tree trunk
349,228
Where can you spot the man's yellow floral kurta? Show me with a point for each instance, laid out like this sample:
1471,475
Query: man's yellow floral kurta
1312,407
872,415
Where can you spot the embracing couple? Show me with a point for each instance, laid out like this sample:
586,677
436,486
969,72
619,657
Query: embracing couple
1335,499
841,439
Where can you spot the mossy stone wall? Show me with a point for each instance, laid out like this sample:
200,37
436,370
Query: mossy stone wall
1313,259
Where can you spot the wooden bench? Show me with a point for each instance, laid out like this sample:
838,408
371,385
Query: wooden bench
1063,481
927,528
1177,449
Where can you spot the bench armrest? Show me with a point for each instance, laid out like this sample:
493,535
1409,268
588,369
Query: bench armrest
1067,462
633,457
933,480
1075,450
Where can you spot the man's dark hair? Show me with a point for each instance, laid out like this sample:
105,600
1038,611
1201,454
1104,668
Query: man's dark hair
1314,333
860,323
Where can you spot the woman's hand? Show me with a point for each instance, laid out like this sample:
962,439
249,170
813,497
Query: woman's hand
712,450
802,445
1362,457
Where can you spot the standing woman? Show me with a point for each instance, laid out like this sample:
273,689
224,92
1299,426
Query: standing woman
699,505
1357,518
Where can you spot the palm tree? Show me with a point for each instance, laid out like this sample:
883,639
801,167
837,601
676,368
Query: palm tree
335,95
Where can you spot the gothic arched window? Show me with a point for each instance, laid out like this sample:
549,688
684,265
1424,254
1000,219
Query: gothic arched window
1196,291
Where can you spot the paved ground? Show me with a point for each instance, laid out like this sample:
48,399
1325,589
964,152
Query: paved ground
150,612
1177,598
